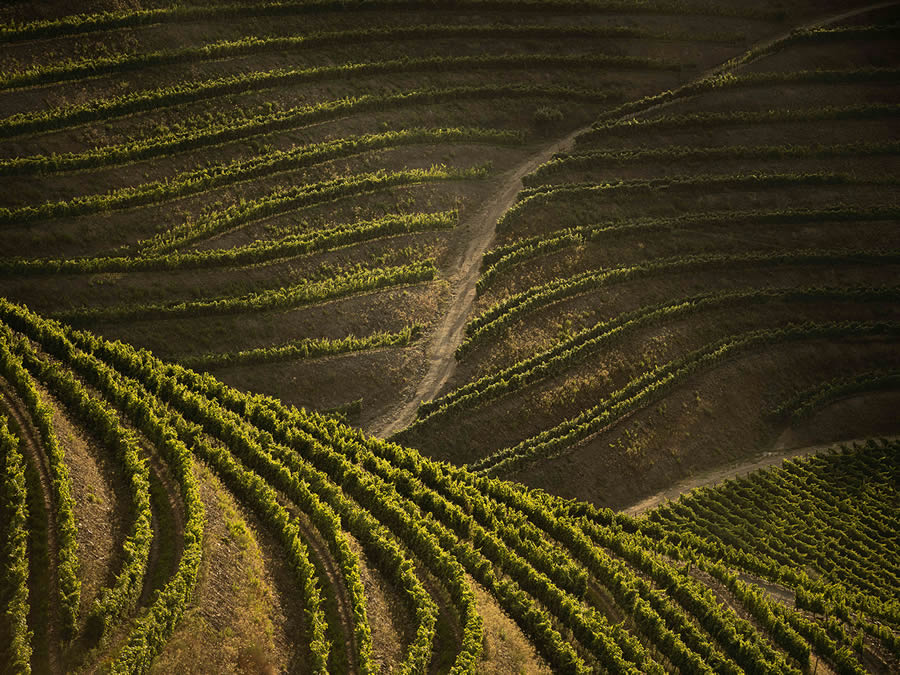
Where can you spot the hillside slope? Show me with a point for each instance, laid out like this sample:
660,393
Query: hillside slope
715,581
571,257
650,302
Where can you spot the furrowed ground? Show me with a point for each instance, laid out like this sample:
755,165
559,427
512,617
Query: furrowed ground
697,258
347,156
609,250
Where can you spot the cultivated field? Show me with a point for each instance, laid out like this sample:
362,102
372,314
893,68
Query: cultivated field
569,257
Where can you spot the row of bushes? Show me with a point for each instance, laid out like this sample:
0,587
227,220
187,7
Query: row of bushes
286,199
737,636
636,126
200,180
513,308
190,92
102,21
502,257
74,70
806,402
575,196
282,297
149,633
116,601
728,80
305,348
290,118
257,251
16,653
649,386
601,159
67,565
578,347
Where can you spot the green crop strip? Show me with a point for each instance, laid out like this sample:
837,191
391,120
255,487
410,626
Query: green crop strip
513,308
655,382
75,70
14,553
230,173
126,104
67,568
538,196
283,297
374,498
292,118
116,601
501,258
574,350
813,36
728,81
808,401
306,348
259,251
85,23
675,153
637,126
545,193
287,199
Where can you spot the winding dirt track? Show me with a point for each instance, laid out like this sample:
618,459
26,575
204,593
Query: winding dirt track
443,342
439,353
733,470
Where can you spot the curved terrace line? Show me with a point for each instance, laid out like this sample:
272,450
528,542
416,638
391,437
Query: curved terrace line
441,347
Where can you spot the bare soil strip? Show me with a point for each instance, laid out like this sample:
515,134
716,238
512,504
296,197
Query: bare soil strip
439,353
318,547
175,538
34,453
343,636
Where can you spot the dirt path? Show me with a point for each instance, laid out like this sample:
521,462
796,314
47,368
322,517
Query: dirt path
33,451
443,342
439,352
732,470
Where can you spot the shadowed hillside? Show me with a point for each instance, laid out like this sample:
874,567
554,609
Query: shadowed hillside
573,258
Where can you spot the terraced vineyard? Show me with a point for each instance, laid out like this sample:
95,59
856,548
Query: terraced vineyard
698,257
566,254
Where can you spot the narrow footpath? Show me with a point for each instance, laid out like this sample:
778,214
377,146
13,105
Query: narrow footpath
733,470
441,361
